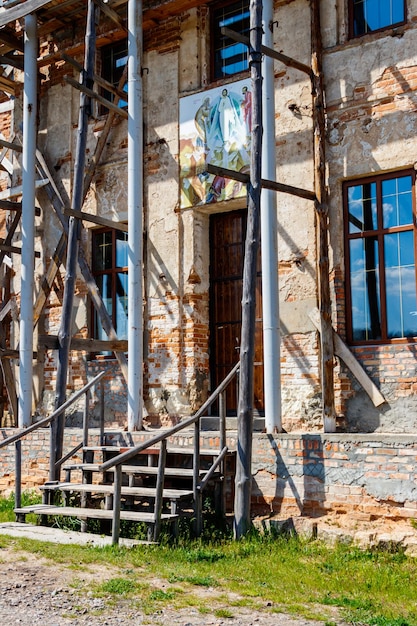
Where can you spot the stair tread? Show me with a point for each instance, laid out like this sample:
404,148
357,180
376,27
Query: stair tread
69,511
155,450
135,469
171,494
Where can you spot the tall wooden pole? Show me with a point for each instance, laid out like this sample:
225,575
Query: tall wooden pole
65,330
242,522
326,335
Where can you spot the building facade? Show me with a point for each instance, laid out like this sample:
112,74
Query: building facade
197,110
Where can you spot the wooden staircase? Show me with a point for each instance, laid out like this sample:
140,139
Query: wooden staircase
156,489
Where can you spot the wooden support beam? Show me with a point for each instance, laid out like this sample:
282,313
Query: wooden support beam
9,237
278,56
51,342
9,379
7,85
95,219
10,146
115,17
343,352
48,280
22,9
15,250
10,40
12,59
123,95
268,184
7,205
13,354
322,211
102,141
13,192
92,94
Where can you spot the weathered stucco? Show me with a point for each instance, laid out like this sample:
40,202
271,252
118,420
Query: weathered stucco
370,94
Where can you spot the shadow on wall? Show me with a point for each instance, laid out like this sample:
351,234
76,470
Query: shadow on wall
299,475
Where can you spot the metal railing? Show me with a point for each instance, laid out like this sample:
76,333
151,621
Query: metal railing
198,485
17,438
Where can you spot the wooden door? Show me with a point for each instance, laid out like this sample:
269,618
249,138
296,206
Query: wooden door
227,245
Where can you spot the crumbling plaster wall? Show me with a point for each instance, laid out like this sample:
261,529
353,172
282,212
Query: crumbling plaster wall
371,99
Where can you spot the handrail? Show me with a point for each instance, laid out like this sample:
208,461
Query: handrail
162,438
129,454
53,415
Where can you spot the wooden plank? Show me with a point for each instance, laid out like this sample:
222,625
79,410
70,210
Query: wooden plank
89,345
97,79
343,352
243,482
115,17
68,511
22,9
268,184
102,141
15,250
9,380
13,192
9,237
49,278
93,94
135,469
278,56
10,145
321,207
96,219
143,492
7,205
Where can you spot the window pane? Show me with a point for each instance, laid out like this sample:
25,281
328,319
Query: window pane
121,249
104,284
370,15
397,203
400,281
362,208
121,305
365,292
230,57
102,249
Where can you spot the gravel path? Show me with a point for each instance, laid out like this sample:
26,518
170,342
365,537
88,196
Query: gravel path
35,592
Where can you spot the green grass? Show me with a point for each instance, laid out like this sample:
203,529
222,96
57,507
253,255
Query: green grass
7,506
306,578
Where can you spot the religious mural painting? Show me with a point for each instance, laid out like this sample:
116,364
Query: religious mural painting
215,127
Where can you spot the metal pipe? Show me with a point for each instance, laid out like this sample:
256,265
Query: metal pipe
135,217
269,240
28,221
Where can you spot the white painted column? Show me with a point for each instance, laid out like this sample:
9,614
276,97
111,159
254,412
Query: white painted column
135,217
28,222
270,290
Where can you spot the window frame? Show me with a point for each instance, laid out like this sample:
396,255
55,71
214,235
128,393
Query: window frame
214,7
379,233
113,271
351,13
109,76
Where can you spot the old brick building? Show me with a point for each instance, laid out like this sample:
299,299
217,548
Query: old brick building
194,221
196,110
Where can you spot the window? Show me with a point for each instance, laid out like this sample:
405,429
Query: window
110,271
113,59
380,257
228,56
367,16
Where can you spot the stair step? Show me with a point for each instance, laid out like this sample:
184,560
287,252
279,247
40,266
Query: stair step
149,492
70,511
179,472
180,450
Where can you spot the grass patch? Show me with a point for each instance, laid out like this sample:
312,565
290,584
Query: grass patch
308,578
7,506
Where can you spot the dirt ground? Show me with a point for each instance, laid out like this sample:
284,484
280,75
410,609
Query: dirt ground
36,592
